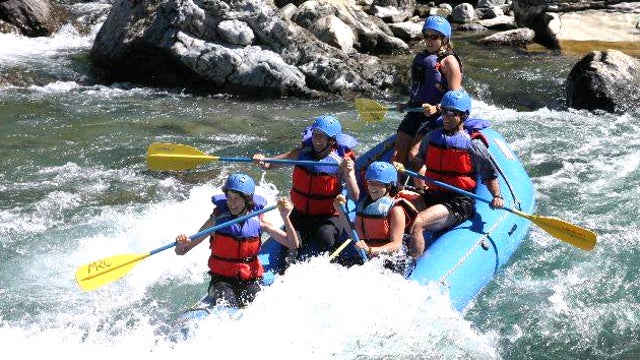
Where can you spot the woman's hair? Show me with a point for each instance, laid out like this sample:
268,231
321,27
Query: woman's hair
393,190
447,46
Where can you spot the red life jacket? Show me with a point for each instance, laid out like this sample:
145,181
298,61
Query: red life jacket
448,159
235,248
372,219
315,186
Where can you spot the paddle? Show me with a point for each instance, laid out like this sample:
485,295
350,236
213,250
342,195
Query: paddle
572,234
339,249
354,234
105,271
176,157
371,110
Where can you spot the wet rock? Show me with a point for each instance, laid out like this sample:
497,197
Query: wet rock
520,37
244,47
463,13
32,17
557,21
608,80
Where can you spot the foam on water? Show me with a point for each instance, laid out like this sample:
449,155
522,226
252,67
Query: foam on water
316,310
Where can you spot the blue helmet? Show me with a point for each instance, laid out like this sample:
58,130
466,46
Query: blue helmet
241,183
383,172
328,124
457,100
439,24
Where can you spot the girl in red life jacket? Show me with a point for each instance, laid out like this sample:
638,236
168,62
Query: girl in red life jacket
383,216
315,186
233,264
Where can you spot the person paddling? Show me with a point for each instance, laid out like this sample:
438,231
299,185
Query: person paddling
455,155
314,187
233,264
384,215
434,71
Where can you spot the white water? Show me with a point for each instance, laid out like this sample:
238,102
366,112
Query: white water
73,190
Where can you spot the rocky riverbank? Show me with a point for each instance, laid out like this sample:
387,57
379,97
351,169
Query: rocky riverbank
311,48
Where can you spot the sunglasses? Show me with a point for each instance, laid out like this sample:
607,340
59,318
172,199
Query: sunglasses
451,112
431,37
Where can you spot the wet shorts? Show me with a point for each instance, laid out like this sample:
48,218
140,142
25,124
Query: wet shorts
234,292
461,207
413,122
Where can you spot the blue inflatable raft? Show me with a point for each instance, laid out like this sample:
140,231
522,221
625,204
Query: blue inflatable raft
462,260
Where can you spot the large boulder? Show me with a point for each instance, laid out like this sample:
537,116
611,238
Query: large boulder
29,17
557,23
608,80
244,47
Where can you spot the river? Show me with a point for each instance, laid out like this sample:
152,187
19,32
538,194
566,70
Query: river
74,188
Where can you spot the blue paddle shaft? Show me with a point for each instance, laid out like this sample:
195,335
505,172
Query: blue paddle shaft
354,234
277,161
216,227
453,188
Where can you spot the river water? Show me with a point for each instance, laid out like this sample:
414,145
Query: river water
74,188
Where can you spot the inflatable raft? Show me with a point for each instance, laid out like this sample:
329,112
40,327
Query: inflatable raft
462,260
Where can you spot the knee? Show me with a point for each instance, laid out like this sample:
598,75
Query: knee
326,236
419,222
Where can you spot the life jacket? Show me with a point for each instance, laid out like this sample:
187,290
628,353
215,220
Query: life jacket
372,218
448,159
428,82
235,248
315,186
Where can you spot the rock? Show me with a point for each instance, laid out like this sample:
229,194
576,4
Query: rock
391,14
8,28
463,13
243,47
372,35
235,32
598,25
333,31
608,80
32,17
407,30
557,21
520,37
502,22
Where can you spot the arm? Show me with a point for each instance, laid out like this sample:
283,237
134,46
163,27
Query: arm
347,173
421,167
185,244
494,187
289,236
452,72
488,173
259,158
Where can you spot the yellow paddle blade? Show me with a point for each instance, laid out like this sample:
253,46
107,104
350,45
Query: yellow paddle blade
175,157
579,237
102,272
370,110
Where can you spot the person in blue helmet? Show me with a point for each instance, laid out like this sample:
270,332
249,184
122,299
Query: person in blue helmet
314,187
434,71
233,264
456,154
384,215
